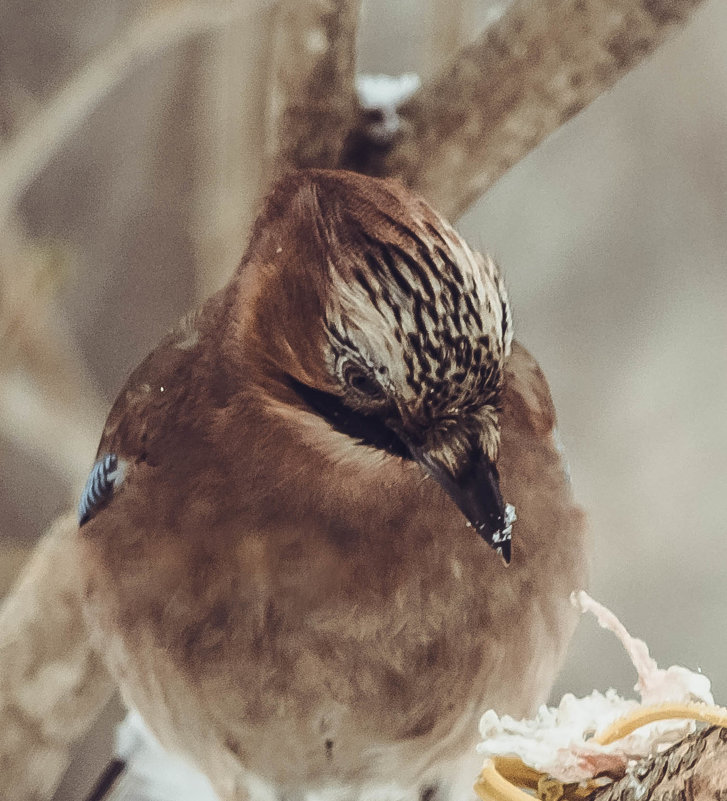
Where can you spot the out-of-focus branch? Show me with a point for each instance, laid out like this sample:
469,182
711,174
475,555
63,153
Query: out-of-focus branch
52,686
526,75
25,156
63,436
227,180
48,403
450,21
14,556
311,98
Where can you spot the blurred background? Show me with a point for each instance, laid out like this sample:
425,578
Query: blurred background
117,216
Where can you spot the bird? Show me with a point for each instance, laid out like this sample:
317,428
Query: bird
331,523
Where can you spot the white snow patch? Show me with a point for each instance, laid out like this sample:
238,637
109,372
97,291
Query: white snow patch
153,774
385,93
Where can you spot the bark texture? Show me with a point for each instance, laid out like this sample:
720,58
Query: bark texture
52,685
311,102
692,770
525,76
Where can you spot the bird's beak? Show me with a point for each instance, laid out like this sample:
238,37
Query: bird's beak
475,488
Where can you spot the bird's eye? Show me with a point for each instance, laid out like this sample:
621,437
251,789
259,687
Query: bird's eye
361,382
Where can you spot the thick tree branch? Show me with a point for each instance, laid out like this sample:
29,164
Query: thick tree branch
694,769
527,74
52,686
311,98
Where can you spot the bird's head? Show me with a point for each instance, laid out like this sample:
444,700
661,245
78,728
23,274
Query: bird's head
392,329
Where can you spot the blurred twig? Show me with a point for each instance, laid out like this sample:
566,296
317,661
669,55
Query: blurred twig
225,174
14,555
25,156
48,403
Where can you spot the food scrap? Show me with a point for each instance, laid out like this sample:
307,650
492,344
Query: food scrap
571,750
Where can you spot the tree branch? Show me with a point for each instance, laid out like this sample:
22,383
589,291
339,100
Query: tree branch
52,685
694,769
527,74
311,98
226,179
49,404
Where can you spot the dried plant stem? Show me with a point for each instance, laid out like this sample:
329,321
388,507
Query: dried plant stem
526,75
227,180
26,155
49,405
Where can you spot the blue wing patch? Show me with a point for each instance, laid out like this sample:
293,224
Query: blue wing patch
105,476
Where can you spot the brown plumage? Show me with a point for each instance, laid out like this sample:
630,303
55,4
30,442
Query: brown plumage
278,572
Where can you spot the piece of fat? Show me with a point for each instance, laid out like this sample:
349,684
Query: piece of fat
560,741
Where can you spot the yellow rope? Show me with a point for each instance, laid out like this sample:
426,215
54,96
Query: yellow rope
502,777
517,772
622,727
491,786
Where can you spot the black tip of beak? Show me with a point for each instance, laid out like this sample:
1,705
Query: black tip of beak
501,539
505,550
475,488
